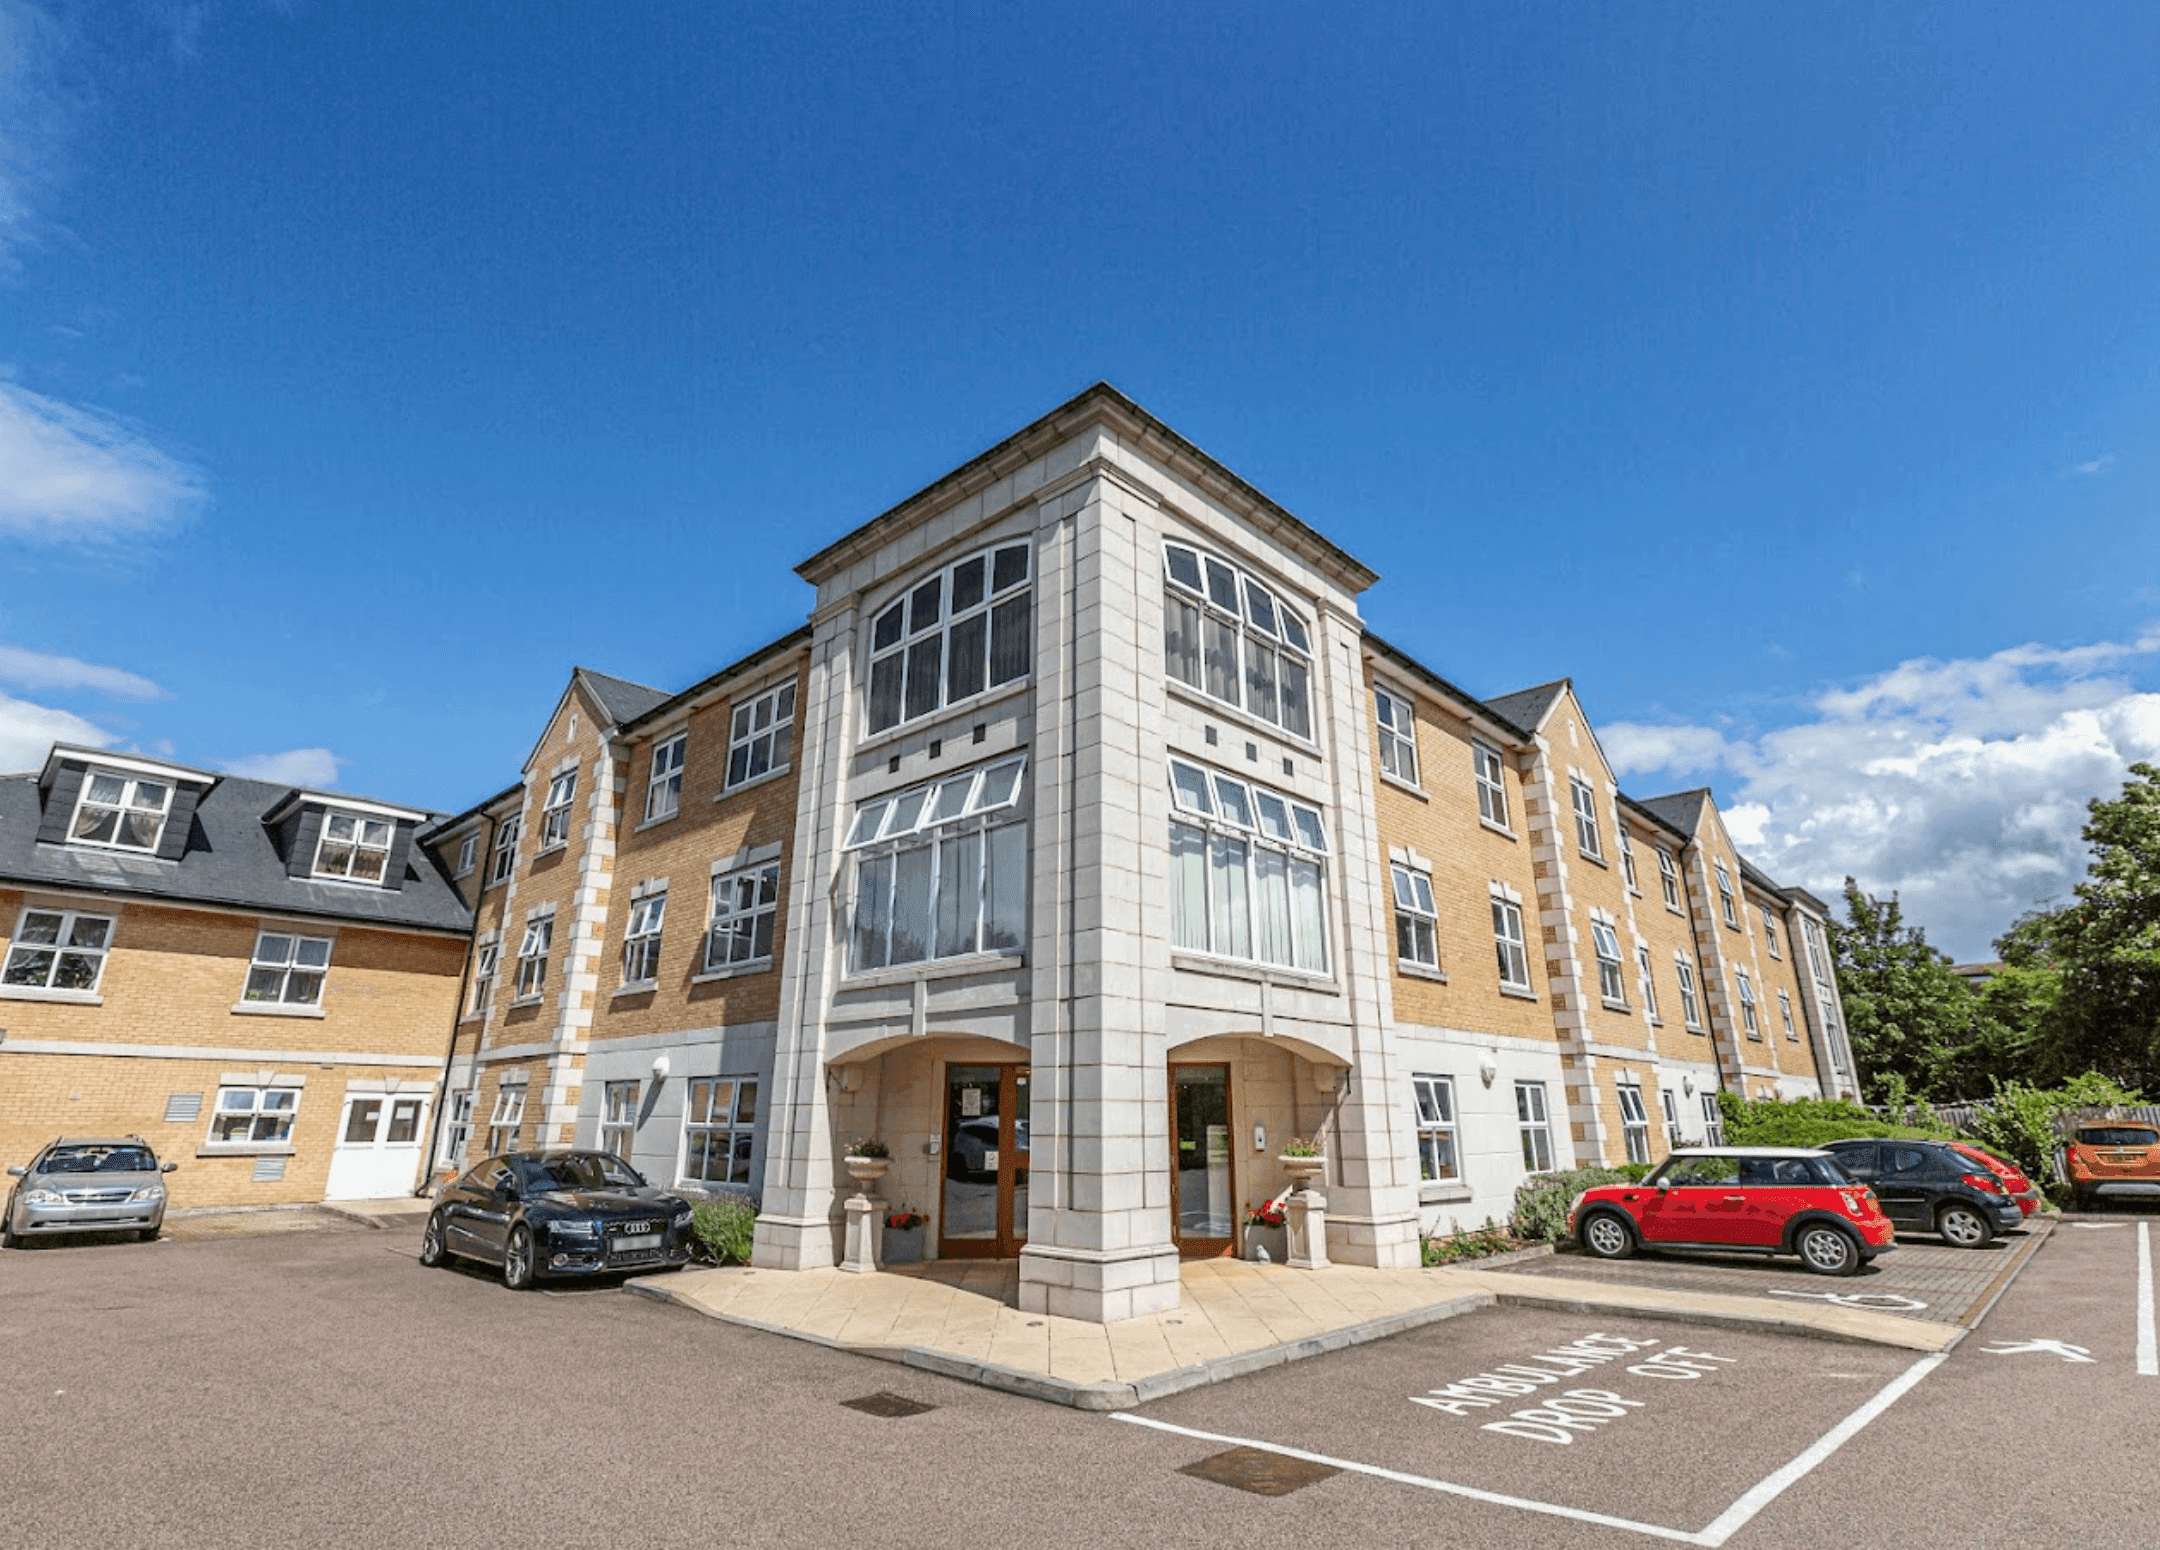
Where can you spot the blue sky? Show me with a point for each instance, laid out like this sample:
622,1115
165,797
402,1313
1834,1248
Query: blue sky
1787,376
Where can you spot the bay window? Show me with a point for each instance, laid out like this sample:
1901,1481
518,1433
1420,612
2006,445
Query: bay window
1248,871
941,870
1232,639
963,630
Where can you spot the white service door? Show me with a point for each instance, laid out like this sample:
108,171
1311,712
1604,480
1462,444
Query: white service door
378,1150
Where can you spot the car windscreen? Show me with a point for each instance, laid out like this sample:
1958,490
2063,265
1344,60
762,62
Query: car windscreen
99,1159
580,1170
2118,1135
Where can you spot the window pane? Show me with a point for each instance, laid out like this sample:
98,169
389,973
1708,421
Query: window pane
1009,567
1296,706
1181,639
274,949
967,584
867,819
1423,885
1260,682
873,910
38,927
1190,787
998,786
925,605
29,966
1234,806
1293,631
303,988
1188,887
1260,607
1220,647
911,905
1309,911
1005,888
1308,828
951,799
1233,926
1222,586
923,667
907,810
959,894
1272,882
1184,566
885,692
313,952
1401,878
965,662
1011,625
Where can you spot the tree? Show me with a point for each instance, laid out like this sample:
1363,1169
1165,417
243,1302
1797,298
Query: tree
2107,944
1908,1016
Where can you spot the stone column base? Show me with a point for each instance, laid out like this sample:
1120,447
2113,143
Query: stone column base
1384,1242
792,1243
1099,1286
865,1233
1305,1215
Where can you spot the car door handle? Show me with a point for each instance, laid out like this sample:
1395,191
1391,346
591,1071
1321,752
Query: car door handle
1736,1197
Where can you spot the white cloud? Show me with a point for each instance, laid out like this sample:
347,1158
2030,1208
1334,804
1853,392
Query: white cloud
1961,784
28,731
294,767
39,670
32,112
2098,465
71,474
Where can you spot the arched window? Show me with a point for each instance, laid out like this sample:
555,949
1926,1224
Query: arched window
1232,639
952,635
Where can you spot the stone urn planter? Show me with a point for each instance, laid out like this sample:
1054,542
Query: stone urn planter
1303,1170
866,1171
1305,1213
865,1213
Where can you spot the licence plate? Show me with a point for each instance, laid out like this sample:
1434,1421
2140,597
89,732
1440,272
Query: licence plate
632,1242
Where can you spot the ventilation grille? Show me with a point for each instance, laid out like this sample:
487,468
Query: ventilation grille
183,1108
269,1170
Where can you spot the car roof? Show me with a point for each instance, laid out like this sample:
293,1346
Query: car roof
98,1141
1747,1151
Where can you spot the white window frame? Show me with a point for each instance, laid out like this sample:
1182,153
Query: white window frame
555,814
533,949
743,917
287,969
761,736
486,957
1396,717
1533,1125
347,857
724,1123
1266,635
67,926
664,777
619,1116
1713,1119
1668,872
506,1120
641,939
898,639
1690,1002
125,809
1647,981
263,1116
1770,934
1725,894
457,1127
1669,1101
468,855
1612,983
1511,947
1438,1140
1490,772
1634,1122
1584,799
962,839
1262,859
1627,859
1784,1002
1747,1004
1417,918
502,856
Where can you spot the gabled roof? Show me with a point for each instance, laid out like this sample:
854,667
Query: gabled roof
1527,707
771,649
621,699
231,860
1441,686
1681,809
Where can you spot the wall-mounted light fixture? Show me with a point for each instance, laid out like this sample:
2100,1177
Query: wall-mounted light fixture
1259,1137
659,1068
1488,1068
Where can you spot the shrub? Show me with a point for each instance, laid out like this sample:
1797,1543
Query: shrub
1542,1200
724,1227
1475,1243
1810,1122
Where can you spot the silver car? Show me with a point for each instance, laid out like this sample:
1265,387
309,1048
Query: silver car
87,1184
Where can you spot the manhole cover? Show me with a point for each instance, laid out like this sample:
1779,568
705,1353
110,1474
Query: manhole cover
891,1406
1258,1471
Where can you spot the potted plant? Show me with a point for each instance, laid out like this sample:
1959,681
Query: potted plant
866,1160
1266,1240
1302,1160
904,1236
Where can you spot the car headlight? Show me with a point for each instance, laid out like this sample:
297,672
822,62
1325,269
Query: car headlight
575,1229
44,1197
679,1219
148,1192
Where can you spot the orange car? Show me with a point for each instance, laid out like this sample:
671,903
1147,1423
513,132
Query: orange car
2111,1157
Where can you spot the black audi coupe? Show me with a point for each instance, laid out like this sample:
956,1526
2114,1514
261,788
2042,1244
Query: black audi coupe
557,1214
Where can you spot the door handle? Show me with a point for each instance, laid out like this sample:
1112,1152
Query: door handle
1736,1197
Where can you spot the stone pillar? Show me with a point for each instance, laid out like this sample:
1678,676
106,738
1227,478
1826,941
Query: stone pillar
865,1234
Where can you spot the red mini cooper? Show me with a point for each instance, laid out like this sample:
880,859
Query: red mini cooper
1739,1199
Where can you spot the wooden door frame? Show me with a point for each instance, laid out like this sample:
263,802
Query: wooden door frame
1009,1236
1203,1248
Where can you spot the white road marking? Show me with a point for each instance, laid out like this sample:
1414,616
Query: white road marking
1887,1302
2148,1348
2096,1226
1726,1524
2061,1348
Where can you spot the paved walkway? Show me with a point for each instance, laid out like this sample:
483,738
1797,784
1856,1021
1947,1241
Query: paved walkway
962,1318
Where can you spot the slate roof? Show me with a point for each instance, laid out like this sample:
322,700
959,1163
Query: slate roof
1527,707
230,860
1680,809
619,697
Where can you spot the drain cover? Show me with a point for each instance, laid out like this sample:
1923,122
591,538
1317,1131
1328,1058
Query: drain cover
892,1406
1258,1471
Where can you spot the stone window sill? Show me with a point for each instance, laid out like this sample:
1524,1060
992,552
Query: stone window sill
1442,1191
638,988
740,787
47,993
1500,829
1618,1006
930,718
1200,699
1421,971
1407,787
1237,969
274,1009
245,1149
524,1001
936,968
1518,992
733,971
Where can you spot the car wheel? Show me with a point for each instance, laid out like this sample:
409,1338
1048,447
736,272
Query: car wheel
1608,1237
9,1237
432,1252
518,1259
1828,1251
1963,1227
150,1234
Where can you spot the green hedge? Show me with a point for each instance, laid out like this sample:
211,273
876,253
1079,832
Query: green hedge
1810,1122
1542,1200
723,1227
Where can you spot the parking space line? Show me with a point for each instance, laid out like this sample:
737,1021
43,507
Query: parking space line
2148,1348
1722,1528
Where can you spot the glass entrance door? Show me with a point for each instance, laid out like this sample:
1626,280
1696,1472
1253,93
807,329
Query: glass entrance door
984,1215
1203,1191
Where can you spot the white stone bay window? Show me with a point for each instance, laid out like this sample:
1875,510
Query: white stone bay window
941,870
1248,871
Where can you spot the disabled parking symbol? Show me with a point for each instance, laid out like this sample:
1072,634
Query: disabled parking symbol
2061,1348
1880,1302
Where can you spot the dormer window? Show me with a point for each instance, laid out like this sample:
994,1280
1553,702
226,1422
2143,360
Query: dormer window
1232,639
951,636
353,848
122,811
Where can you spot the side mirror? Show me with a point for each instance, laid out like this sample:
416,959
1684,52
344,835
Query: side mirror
170,1168
18,1173
1663,1185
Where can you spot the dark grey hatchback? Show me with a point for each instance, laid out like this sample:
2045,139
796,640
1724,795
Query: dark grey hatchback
1930,1186
557,1214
